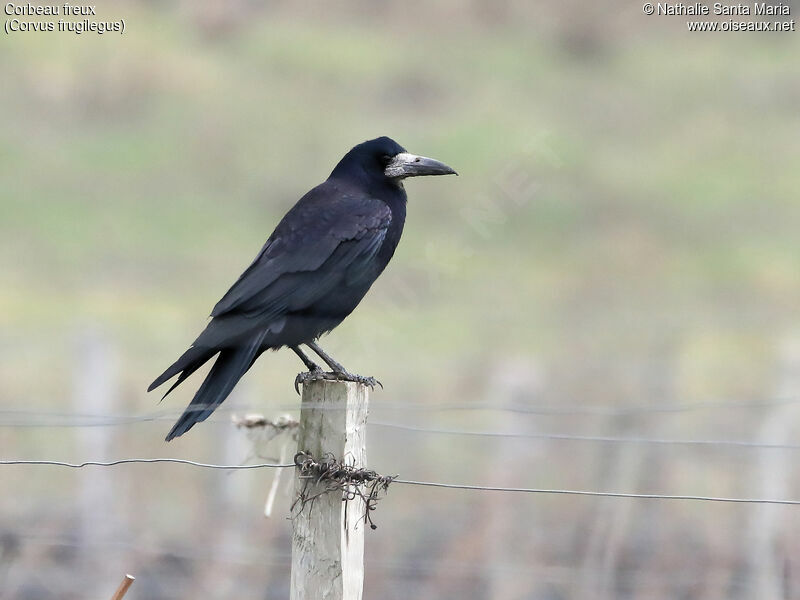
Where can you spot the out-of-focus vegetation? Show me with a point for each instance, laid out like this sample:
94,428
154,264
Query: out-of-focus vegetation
623,233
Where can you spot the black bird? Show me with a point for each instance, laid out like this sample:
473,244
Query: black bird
311,273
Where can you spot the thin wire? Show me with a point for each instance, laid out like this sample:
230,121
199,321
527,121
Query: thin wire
459,486
564,410
585,438
123,461
37,420
22,418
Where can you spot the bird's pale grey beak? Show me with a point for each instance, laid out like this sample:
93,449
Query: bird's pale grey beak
410,165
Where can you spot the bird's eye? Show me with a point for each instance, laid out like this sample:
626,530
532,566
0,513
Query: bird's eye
386,159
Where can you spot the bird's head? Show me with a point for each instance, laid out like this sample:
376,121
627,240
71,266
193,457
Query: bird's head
385,159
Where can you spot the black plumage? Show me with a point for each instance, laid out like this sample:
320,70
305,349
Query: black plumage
311,273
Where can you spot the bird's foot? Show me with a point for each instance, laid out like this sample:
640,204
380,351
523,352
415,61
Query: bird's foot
307,376
345,376
316,375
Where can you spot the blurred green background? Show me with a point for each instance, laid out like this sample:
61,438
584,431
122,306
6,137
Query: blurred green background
618,258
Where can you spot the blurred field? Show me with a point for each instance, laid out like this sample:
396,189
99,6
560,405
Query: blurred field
623,233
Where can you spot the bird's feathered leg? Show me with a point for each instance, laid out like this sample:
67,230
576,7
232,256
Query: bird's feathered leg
338,371
310,364
312,367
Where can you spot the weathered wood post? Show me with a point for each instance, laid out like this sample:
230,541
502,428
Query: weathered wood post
766,544
328,534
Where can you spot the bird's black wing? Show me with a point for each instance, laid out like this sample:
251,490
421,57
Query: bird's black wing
328,235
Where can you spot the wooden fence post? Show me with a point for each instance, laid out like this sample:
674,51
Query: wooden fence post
767,545
328,534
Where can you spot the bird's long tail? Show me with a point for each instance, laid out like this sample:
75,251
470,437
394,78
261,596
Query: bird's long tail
229,367
191,360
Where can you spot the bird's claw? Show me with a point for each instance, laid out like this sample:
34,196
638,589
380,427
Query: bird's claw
309,376
305,377
368,381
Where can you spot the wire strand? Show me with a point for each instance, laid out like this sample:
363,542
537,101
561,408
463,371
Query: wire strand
23,418
572,409
457,486
124,461
28,419
585,438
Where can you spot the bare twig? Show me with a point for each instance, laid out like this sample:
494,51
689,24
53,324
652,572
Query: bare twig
123,587
276,481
